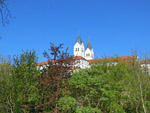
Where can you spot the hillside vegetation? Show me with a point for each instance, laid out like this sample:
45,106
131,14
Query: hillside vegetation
104,88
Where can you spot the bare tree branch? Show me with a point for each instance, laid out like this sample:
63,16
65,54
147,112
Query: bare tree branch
5,14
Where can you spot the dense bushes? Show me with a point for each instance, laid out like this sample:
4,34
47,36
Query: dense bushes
104,88
111,88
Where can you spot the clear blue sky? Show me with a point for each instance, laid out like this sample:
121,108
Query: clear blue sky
113,26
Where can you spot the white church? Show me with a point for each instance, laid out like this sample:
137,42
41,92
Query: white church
85,57
88,54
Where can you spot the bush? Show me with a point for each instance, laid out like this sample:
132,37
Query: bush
67,103
87,110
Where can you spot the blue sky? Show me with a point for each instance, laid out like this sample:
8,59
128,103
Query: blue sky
112,26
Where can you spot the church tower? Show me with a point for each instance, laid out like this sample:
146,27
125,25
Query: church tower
79,47
89,53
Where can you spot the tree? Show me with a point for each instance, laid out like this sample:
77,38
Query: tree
67,104
54,77
6,104
5,14
18,84
111,88
25,81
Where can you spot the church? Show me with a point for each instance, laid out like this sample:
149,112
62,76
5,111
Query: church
84,58
88,53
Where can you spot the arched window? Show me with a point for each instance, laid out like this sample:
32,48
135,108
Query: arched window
88,54
78,49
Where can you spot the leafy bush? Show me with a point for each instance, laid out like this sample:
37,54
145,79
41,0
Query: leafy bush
67,103
87,110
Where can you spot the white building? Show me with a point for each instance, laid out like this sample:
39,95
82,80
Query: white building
79,47
78,63
81,63
88,54
145,65
84,58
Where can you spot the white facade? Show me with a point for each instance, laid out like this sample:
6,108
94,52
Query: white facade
89,54
79,49
146,68
81,64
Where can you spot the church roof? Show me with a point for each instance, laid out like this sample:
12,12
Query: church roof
89,45
114,59
145,61
55,61
79,39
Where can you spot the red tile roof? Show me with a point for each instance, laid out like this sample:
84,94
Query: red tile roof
144,61
78,58
44,63
54,61
113,59
94,61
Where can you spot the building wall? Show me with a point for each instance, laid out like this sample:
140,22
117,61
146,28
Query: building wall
89,54
146,68
82,64
79,50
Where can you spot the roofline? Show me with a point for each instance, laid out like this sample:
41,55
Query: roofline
111,59
54,61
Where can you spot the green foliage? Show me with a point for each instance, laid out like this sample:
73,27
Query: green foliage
18,84
26,72
87,110
5,87
105,87
111,88
67,103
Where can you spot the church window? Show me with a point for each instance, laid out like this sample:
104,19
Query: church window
87,54
82,50
78,49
